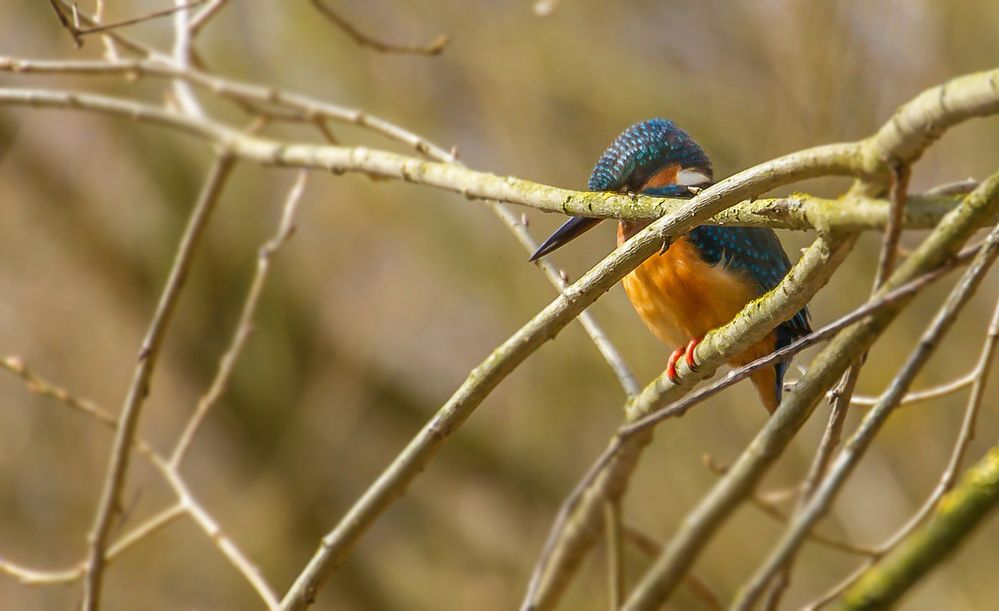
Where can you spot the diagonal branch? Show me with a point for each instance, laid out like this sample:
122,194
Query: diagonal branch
201,18
67,24
139,388
140,19
843,393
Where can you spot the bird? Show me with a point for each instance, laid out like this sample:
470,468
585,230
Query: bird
702,279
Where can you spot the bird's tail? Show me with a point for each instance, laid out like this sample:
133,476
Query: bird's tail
769,383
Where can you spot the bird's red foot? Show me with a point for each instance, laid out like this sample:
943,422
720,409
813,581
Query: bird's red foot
687,353
691,363
671,366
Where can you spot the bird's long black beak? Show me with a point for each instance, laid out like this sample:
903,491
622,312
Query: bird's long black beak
572,229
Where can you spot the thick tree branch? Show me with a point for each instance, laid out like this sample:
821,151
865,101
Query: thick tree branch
796,212
919,122
800,211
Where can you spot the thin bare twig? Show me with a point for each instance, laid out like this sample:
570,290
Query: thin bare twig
214,532
434,47
78,32
942,390
244,327
615,553
889,245
650,547
139,389
843,393
964,438
598,336
182,53
67,24
140,19
124,41
831,435
152,525
202,17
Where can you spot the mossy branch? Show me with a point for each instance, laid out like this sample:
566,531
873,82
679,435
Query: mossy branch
957,514
967,96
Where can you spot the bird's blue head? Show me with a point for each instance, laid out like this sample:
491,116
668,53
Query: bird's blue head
649,155
654,157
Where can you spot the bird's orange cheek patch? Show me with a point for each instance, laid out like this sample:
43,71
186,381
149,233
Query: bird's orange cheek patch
665,176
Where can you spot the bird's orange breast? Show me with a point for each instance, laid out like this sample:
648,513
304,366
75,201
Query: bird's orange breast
680,296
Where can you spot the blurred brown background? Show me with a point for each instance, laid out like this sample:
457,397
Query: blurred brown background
389,293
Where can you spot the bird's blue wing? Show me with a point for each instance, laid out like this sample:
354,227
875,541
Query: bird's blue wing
755,251
758,253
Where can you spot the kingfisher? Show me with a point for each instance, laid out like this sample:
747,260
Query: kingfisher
704,278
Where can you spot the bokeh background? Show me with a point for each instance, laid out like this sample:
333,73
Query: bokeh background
390,293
